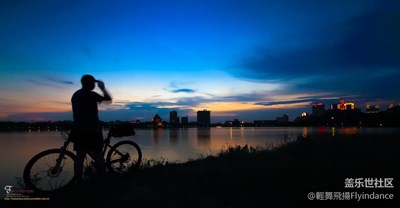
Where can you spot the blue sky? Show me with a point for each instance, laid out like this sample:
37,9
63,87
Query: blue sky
240,59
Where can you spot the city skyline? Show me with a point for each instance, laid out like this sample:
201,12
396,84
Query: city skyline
247,60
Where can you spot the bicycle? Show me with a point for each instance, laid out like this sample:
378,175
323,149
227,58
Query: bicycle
53,169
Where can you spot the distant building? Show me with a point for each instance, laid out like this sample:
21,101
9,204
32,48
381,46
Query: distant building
173,118
343,106
156,121
334,107
234,123
203,117
349,106
284,118
318,109
185,120
372,109
259,123
394,108
228,123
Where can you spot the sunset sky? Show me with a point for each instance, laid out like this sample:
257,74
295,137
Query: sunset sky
244,59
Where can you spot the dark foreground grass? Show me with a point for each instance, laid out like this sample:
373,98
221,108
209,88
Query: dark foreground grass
251,177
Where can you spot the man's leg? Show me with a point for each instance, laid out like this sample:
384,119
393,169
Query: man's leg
80,157
99,161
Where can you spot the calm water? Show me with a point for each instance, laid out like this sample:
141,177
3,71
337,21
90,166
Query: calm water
16,148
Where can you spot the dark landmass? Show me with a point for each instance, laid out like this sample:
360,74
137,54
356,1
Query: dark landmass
388,118
251,177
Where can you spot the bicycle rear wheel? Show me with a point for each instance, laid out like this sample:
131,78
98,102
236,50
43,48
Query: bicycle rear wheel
42,175
123,157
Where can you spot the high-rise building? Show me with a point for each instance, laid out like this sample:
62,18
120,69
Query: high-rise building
203,117
173,118
318,109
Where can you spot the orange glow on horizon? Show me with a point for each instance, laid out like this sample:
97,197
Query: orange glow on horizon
239,106
32,107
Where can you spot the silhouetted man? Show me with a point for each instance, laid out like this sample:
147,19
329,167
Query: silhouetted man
87,133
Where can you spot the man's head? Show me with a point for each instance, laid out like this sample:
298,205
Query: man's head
88,82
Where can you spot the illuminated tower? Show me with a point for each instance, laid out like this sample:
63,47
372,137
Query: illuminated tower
341,105
157,121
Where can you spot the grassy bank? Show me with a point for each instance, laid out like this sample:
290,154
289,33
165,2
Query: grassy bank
252,177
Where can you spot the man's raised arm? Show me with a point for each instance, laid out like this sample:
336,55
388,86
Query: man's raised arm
107,96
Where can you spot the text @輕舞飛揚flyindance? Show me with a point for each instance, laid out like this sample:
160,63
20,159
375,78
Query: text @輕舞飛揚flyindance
357,184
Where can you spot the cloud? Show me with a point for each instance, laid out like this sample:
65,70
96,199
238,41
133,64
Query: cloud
50,82
359,55
42,83
179,87
183,103
368,41
59,81
40,116
186,90
143,111
284,102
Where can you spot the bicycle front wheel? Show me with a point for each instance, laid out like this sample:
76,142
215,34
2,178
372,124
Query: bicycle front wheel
124,157
42,175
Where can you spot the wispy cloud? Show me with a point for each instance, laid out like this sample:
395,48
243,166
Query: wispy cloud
43,83
186,90
284,102
50,82
60,81
179,87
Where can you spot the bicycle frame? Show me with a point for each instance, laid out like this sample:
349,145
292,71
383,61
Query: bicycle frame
64,148
61,156
123,157
107,141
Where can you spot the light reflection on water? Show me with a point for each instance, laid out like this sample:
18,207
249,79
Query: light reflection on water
333,131
16,148
183,144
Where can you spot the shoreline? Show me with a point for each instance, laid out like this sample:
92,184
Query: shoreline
250,177
9,126
105,129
